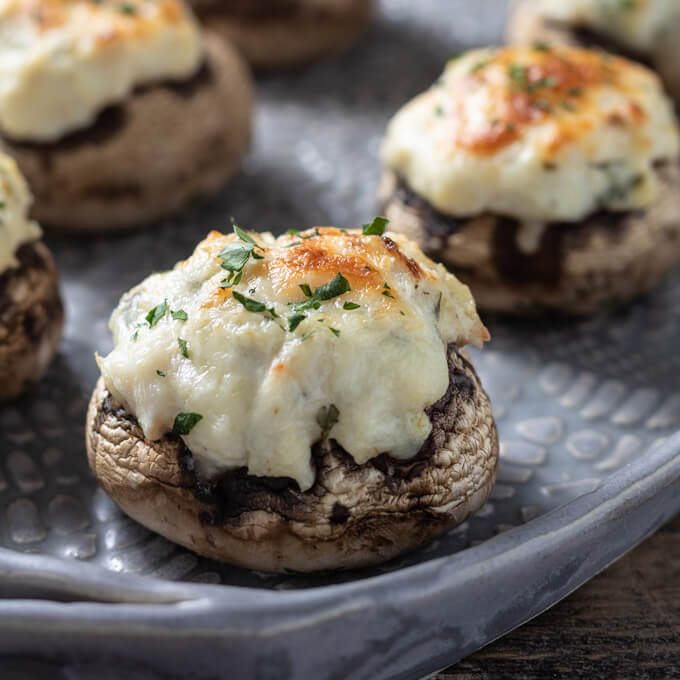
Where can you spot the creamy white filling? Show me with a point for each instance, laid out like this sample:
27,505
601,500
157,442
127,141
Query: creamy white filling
263,390
63,61
538,135
15,200
636,23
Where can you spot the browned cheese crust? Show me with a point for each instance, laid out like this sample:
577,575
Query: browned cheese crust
31,319
285,33
148,156
354,515
526,26
577,268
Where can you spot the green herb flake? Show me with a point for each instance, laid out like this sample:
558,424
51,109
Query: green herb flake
250,304
335,287
350,305
387,293
375,228
183,347
157,313
295,320
242,234
304,287
335,331
127,8
179,315
327,417
480,65
185,422
541,46
235,256
254,305
161,373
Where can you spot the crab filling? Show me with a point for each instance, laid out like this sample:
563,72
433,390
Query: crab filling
256,349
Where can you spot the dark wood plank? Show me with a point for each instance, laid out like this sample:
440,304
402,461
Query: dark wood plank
625,623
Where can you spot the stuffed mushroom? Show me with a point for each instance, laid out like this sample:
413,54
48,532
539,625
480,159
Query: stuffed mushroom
31,313
301,402
545,178
118,113
281,33
646,30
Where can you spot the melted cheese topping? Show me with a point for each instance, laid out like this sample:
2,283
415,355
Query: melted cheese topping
15,200
539,135
63,61
261,388
635,23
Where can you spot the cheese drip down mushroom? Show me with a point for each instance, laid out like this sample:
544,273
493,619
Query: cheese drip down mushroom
256,348
15,226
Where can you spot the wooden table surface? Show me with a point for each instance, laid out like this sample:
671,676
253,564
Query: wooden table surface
624,623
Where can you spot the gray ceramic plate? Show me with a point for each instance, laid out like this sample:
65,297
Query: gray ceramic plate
586,411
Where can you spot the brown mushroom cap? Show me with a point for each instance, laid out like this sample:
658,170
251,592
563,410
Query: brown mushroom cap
31,319
146,157
354,515
527,26
577,268
286,33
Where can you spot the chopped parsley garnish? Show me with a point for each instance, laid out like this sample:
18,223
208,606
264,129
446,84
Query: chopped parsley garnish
231,280
254,305
336,286
179,315
304,287
183,347
541,46
306,336
185,422
351,305
327,417
157,313
127,8
235,256
518,74
295,320
161,373
335,331
387,293
375,228
480,65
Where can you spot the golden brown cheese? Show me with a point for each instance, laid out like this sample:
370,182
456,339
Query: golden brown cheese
261,362
538,134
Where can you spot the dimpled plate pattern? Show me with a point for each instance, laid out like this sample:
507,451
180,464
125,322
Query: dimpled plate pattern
576,401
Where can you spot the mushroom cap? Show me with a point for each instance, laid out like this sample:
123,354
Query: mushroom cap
354,515
577,268
145,158
527,26
31,319
273,38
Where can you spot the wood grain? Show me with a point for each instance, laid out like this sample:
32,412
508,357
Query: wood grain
625,623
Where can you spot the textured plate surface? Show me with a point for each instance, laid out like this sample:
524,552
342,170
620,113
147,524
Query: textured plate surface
583,410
